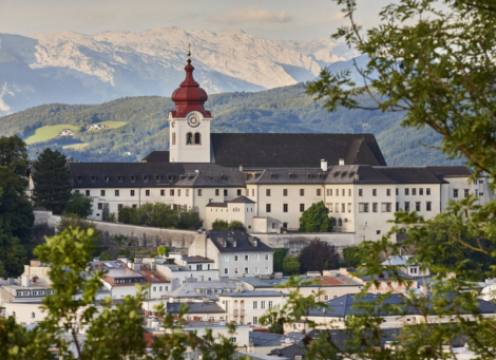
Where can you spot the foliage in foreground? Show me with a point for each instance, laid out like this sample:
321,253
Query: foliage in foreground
113,331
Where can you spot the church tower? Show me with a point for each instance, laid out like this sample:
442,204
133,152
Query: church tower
189,122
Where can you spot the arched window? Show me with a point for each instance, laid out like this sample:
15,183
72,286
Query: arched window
340,222
173,138
189,138
197,138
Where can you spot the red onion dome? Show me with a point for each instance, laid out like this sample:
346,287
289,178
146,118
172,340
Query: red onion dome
189,96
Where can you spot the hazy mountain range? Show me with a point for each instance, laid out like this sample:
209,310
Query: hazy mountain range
76,68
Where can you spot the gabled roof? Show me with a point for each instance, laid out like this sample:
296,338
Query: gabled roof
294,150
236,241
241,200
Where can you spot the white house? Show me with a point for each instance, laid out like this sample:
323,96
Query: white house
235,253
247,307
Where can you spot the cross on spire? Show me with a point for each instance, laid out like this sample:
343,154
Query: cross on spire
189,50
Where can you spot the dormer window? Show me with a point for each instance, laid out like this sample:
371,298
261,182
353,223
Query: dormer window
107,179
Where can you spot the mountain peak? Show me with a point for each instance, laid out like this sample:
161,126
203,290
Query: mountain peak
88,68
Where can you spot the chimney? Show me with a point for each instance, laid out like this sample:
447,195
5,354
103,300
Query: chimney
341,162
323,164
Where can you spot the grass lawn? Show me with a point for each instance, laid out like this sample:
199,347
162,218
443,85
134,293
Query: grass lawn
47,133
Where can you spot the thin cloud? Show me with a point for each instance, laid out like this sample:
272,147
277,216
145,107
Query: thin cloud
258,16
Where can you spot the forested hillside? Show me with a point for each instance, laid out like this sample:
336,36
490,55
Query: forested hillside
129,128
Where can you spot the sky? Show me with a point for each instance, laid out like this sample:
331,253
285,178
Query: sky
276,19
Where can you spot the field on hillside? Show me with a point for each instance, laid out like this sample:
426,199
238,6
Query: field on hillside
49,132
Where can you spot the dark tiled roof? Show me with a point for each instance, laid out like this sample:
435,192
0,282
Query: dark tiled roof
197,259
286,176
347,305
294,150
236,241
392,304
217,204
157,156
257,150
241,200
450,171
141,174
196,308
363,174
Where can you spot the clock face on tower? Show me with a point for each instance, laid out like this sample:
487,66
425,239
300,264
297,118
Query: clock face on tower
193,119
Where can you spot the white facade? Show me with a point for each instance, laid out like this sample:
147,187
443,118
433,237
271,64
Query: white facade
362,209
248,307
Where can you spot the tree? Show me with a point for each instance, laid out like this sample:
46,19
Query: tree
162,250
79,205
352,256
16,214
432,60
160,215
318,256
237,226
220,225
279,255
316,219
291,265
52,181
13,155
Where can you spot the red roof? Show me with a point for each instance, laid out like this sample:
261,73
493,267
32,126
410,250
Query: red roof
189,96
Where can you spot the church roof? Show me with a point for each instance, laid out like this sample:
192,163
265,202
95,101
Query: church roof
288,150
294,150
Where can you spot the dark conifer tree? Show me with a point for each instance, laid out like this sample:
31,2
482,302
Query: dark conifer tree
52,181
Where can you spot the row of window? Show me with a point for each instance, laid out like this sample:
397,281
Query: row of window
262,304
336,192
466,193
386,207
226,270
406,191
254,257
172,192
339,207
285,208
268,192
